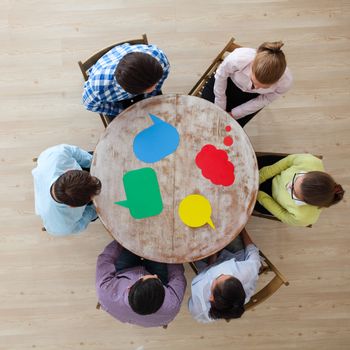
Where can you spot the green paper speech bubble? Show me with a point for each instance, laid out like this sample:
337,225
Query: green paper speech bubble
143,197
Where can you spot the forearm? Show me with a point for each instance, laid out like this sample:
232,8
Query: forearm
89,214
270,171
220,91
177,281
107,108
82,157
253,105
276,209
105,267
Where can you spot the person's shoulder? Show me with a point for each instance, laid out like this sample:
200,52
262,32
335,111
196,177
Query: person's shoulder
285,82
310,161
305,215
241,56
247,51
52,154
153,50
55,218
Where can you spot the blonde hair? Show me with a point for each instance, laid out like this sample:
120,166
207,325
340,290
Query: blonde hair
269,63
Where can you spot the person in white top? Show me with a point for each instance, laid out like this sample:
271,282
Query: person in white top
226,283
248,80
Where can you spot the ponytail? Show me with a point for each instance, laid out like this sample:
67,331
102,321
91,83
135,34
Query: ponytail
272,47
338,194
269,63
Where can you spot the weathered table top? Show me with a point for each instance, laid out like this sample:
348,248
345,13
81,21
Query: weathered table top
165,237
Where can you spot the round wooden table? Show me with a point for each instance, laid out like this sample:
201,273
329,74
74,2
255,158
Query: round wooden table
165,238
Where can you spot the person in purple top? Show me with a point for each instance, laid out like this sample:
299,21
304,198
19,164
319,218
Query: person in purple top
136,290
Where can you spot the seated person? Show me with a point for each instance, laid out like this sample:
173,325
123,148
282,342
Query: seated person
136,290
124,75
63,191
226,282
248,80
295,189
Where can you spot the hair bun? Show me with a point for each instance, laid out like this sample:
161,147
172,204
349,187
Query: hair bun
338,190
273,47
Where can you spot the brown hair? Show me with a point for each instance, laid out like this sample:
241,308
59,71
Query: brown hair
319,189
137,72
76,188
269,63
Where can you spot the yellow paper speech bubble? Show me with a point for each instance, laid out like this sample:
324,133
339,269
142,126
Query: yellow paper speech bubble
195,211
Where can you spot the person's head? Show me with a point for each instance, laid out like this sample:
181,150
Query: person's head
138,73
319,189
227,298
76,188
146,296
269,64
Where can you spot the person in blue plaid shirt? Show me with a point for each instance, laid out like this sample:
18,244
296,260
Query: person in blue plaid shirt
123,76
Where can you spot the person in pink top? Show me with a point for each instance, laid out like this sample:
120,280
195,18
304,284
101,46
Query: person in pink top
248,80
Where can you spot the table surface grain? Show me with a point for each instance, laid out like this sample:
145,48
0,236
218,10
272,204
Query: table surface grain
165,237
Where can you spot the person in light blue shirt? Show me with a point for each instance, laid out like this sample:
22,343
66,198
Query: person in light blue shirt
63,191
226,282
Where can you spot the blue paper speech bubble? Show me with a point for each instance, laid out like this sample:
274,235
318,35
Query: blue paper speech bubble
156,142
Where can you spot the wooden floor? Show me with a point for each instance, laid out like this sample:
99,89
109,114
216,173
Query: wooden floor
47,284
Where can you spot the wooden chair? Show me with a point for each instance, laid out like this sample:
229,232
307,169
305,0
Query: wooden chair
281,156
270,288
198,87
85,66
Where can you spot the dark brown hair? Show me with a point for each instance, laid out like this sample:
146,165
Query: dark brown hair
269,63
319,189
146,296
76,188
137,72
229,297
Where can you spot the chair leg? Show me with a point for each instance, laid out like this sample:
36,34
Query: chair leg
193,267
264,293
103,119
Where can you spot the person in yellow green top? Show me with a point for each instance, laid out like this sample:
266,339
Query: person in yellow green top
295,189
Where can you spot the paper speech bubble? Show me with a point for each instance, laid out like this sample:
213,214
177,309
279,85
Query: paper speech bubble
195,211
142,192
156,142
215,165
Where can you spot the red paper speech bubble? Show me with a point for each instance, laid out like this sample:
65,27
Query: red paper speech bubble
215,165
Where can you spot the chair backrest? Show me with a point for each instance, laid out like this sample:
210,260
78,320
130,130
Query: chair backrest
85,66
281,155
270,288
198,87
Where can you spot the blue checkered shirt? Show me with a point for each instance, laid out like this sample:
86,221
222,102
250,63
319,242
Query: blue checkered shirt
102,91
